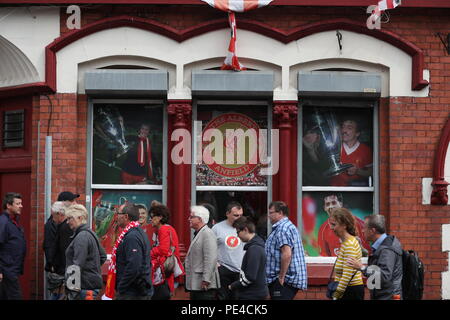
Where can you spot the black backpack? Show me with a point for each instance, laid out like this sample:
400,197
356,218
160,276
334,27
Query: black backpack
413,276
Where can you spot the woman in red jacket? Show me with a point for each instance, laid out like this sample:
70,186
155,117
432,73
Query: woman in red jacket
164,238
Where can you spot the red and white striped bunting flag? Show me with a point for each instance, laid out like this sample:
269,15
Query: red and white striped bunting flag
231,6
237,5
231,60
388,4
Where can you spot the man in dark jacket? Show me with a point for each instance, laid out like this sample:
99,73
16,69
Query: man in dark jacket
12,247
54,281
384,264
63,235
133,266
252,278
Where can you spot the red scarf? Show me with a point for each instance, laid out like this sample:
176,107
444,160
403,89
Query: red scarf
111,278
141,155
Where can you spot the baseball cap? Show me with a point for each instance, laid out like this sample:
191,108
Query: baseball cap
67,196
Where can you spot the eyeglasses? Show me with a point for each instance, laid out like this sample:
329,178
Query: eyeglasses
270,212
192,217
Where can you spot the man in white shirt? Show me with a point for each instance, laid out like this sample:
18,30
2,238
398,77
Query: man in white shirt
230,250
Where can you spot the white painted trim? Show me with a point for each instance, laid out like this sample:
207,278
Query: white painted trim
317,51
339,189
126,186
229,188
31,29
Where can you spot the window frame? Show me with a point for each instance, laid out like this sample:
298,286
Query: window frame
337,102
257,102
89,152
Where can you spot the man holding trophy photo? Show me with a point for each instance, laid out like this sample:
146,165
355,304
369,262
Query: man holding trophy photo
333,151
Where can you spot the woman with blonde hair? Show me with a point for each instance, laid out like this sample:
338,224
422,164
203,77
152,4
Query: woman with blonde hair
350,284
85,253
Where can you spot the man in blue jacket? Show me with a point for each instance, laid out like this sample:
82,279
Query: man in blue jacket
12,247
133,275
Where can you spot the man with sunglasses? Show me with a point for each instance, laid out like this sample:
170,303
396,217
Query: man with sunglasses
230,250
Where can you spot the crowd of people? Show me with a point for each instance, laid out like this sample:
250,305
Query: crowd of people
228,261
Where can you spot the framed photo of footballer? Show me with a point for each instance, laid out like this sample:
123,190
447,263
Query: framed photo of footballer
106,204
127,144
337,146
318,238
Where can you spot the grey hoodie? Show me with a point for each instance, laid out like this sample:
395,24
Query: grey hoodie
388,257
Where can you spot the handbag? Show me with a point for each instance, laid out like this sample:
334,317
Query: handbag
161,292
169,264
333,285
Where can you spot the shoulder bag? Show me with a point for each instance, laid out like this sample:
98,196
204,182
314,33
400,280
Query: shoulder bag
332,285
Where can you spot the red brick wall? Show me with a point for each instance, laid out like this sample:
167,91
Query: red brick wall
415,125
409,127
67,126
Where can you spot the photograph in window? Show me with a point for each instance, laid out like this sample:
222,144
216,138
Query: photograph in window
107,203
127,144
337,147
318,237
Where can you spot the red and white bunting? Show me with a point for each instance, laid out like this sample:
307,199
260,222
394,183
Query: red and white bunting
237,5
388,4
231,61
231,6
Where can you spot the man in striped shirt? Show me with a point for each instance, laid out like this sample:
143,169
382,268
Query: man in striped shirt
286,267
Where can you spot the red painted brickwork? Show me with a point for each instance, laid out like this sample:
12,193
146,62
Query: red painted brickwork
415,126
64,117
409,127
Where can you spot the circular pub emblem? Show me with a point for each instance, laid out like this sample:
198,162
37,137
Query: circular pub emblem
237,155
232,242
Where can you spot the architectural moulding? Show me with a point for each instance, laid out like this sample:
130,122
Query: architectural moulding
281,48
309,3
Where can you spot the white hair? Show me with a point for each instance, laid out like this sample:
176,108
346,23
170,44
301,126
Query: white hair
58,207
201,212
77,210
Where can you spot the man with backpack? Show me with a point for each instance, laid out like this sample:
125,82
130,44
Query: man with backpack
386,260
